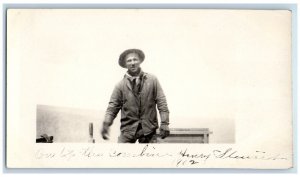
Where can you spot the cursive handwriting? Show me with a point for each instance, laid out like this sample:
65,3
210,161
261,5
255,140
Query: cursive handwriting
187,158
229,153
89,152
67,153
234,154
198,156
182,158
145,152
41,154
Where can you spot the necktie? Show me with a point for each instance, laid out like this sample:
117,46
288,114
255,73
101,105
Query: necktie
134,84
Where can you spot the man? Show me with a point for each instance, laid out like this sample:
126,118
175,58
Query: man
137,96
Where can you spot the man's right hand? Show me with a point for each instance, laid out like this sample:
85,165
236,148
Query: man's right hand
164,131
105,131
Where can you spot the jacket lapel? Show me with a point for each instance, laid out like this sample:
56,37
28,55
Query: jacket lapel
143,80
127,82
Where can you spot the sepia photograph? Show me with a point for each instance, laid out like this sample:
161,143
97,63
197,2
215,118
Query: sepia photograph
134,108
149,88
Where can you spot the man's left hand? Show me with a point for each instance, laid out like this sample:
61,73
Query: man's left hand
105,130
164,131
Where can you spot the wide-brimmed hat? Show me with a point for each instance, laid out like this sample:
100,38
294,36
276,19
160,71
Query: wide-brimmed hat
122,62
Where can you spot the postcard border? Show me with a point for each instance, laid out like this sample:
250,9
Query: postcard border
292,7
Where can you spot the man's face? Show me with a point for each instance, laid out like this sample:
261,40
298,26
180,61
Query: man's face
132,62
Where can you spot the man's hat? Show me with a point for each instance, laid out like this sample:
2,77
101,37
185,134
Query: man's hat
122,62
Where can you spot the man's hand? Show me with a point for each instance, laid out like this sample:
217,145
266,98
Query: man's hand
164,131
105,131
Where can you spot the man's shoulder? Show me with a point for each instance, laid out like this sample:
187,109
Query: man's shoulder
150,76
120,82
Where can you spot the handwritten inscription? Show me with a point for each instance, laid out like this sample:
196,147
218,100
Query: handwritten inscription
67,153
43,154
188,159
183,157
145,152
233,154
89,152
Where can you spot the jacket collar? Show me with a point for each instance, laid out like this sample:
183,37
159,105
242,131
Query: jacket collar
141,75
129,78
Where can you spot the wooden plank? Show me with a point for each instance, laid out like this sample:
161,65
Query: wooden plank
186,135
188,131
178,139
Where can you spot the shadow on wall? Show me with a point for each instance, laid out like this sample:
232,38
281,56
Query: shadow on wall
68,125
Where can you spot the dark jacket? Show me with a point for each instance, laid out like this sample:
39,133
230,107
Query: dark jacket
138,107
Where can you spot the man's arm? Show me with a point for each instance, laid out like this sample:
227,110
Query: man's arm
163,109
114,106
